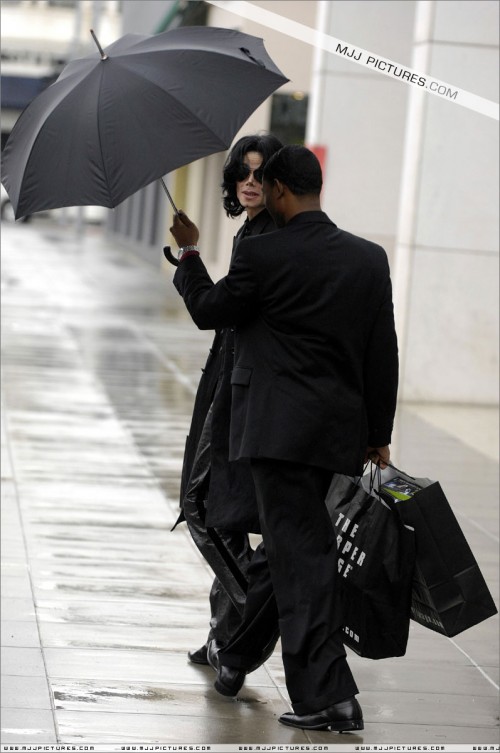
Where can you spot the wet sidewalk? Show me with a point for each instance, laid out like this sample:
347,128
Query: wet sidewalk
100,600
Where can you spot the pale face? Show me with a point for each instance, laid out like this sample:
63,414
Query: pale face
249,190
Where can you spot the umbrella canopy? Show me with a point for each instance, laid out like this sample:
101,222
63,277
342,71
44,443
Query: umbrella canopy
112,124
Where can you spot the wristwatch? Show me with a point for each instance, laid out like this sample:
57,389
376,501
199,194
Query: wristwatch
183,250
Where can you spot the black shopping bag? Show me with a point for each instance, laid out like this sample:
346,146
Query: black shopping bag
449,592
376,555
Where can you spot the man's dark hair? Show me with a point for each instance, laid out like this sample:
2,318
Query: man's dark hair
266,145
298,168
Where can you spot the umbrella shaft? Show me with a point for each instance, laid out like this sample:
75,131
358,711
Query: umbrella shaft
168,196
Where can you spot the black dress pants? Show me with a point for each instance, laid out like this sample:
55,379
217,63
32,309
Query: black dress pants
293,588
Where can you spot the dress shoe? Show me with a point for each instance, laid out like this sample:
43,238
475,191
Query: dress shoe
229,680
344,716
199,656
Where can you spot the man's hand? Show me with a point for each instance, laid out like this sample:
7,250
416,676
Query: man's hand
184,231
378,455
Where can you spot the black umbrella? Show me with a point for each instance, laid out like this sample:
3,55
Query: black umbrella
112,124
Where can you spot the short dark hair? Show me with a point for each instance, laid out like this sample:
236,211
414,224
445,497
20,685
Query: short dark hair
298,168
264,144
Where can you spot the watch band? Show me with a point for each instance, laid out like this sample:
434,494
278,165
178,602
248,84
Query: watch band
183,249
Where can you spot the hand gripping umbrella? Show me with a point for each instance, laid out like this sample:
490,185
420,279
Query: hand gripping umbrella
110,125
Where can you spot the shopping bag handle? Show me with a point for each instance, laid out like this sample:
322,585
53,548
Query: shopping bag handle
374,476
374,488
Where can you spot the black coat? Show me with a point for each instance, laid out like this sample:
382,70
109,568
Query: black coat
316,364
230,503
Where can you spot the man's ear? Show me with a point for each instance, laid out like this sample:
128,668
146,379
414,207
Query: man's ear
279,188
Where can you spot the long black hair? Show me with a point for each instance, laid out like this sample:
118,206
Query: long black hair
264,144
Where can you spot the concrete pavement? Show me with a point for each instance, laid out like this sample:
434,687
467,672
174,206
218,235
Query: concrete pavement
100,600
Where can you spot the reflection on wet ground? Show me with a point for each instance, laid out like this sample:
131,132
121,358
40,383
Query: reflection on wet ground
101,600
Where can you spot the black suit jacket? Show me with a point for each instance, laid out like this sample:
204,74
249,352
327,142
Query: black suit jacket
316,366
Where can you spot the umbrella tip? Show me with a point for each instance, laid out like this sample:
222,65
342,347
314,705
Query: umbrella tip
103,54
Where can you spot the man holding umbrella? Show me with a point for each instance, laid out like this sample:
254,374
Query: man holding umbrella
314,392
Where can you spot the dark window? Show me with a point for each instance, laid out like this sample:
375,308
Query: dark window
19,91
289,117
194,13
63,3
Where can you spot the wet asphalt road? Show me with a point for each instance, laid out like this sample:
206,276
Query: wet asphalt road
100,600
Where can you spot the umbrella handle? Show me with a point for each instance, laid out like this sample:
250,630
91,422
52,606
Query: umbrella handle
168,196
169,255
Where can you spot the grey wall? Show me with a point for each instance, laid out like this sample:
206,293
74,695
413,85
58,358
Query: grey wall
446,276
419,175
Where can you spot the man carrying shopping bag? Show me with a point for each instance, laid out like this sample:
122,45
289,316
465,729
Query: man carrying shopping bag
314,392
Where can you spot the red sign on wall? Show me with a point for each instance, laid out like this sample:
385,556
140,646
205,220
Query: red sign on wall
320,151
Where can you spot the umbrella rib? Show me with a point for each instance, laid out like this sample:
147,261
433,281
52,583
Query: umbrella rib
103,161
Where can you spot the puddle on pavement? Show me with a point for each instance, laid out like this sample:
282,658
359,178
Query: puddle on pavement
94,695
251,701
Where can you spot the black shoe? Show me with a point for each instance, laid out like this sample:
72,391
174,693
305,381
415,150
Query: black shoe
229,680
199,656
344,716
